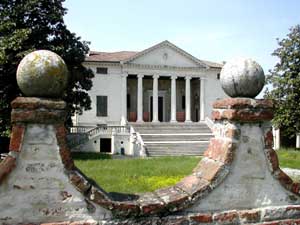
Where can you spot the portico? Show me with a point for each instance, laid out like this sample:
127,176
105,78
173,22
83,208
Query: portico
163,98
162,83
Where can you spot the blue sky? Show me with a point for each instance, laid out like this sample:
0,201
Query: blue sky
211,30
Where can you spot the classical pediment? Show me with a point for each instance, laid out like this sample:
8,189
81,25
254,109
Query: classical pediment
165,54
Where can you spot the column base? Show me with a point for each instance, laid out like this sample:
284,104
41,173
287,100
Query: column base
188,121
173,121
139,121
155,121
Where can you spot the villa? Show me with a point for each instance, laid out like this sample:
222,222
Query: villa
156,98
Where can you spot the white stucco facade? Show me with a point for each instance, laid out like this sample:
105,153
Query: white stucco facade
160,84
165,61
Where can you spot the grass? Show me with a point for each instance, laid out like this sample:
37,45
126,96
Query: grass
289,157
134,175
146,175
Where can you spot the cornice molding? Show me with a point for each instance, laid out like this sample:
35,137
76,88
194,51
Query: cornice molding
147,66
172,46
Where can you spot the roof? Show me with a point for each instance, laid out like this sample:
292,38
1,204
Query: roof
128,56
109,56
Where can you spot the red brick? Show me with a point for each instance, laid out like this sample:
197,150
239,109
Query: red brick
272,158
241,103
250,216
220,150
60,223
232,133
150,203
6,166
35,103
193,185
173,198
126,208
209,169
79,181
38,116
84,223
17,136
173,220
202,218
296,188
231,217
284,179
98,196
65,153
244,115
269,139
216,115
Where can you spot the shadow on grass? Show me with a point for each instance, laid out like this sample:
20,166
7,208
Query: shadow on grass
90,156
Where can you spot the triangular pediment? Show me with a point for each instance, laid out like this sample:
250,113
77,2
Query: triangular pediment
165,54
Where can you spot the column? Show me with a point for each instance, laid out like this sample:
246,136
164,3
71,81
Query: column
155,98
173,99
124,98
188,99
140,98
276,138
202,99
297,140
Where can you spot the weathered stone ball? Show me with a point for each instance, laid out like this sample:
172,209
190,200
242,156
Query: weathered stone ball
42,73
242,77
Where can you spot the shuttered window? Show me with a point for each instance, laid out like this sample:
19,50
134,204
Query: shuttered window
101,70
101,105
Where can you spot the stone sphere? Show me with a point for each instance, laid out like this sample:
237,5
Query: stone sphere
42,73
242,77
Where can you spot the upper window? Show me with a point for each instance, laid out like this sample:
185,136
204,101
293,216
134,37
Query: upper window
101,105
101,70
218,76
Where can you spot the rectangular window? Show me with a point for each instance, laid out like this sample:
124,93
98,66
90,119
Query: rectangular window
101,105
183,102
101,70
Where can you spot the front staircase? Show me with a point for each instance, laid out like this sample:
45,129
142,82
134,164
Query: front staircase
163,139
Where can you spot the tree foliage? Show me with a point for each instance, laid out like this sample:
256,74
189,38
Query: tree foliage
285,78
28,25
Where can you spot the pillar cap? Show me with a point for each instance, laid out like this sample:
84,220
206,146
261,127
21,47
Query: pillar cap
38,110
243,110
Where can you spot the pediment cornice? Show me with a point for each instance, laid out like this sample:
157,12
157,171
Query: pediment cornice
180,51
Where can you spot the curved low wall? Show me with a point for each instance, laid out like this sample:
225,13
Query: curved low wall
238,181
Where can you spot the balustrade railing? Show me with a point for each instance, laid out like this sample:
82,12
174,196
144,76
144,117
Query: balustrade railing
101,129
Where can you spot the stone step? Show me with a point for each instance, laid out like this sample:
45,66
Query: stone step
193,148
172,127
172,131
176,137
157,154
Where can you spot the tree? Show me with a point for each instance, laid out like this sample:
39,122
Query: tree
28,25
285,78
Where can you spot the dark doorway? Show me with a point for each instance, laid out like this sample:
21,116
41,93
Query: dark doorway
105,145
197,115
160,108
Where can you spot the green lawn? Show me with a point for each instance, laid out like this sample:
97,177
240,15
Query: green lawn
134,175
289,157
145,175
